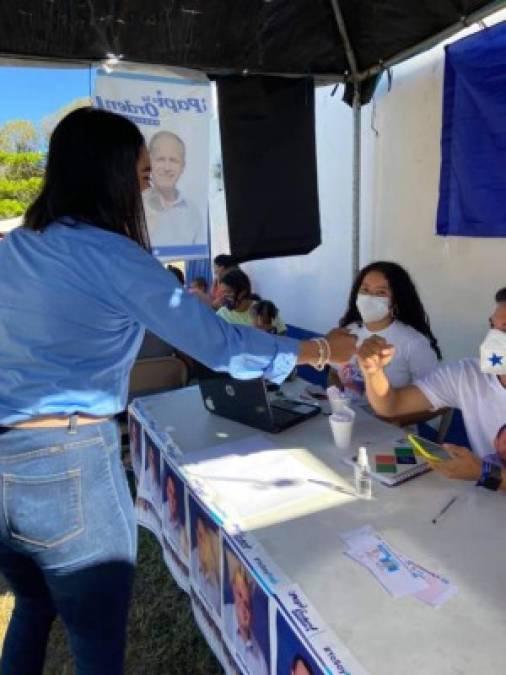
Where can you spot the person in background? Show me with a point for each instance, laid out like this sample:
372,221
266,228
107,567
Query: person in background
198,284
237,301
221,265
199,287
71,329
264,314
476,386
384,301
178,273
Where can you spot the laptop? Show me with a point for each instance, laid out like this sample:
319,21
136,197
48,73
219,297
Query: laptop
249,402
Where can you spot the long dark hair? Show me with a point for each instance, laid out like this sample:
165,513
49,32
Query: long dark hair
91,175
238,281
406,302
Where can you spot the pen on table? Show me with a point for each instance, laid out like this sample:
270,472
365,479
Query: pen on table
444,510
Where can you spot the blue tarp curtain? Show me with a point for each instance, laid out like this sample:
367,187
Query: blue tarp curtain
472,198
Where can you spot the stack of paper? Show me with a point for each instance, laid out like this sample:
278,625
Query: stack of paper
396,573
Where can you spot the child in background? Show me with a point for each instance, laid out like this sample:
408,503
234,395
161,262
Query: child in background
198,287
199,284
238,300
264,314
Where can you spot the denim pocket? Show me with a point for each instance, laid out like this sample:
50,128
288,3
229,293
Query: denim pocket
44,510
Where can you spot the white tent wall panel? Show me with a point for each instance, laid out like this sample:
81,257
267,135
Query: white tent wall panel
456,276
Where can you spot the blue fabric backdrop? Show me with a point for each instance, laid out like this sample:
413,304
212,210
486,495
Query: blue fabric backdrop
472,199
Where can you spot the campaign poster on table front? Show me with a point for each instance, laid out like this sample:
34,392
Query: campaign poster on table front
149,489
175,525
136,444
172,112
245,615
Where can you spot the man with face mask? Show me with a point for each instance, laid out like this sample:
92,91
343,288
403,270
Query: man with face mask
476,386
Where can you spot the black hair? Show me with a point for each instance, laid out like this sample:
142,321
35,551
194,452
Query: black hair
226,261
177,273
500,296
501,431
238,281
266,310
300,659
406,302
200,282
91,175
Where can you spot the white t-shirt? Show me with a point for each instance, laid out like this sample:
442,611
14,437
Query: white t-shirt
480,397
414,357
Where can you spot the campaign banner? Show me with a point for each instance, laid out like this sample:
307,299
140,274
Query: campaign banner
172,110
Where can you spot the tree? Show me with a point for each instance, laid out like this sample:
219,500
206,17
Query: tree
49,122
19,136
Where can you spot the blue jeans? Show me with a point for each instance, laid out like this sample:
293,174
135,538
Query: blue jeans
68,543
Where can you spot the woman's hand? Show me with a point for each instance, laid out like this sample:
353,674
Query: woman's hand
374,354
342,345
463,465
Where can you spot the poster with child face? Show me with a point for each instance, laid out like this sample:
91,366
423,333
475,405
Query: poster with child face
245,615
205,568
174,525
293,658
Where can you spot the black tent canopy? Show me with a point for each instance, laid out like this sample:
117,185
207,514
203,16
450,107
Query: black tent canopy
338,40
350,41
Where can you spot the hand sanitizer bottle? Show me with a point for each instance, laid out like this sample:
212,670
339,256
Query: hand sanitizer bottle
363,481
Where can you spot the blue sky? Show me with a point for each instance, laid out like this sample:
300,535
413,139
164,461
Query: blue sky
33,93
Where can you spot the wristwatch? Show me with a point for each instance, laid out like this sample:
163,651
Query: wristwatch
491,476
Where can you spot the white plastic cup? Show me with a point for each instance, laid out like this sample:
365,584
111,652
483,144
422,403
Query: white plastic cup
341,424
338,399
338,402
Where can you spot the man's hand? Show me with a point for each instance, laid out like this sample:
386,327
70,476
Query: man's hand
374,354
342,345
463,465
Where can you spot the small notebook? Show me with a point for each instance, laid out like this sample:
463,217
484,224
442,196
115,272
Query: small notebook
393,466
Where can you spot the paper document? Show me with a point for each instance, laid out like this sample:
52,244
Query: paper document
398,574
252,477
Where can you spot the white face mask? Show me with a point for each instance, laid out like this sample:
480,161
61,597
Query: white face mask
493,352
372,307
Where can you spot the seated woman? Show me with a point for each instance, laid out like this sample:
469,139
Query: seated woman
238,301
384,301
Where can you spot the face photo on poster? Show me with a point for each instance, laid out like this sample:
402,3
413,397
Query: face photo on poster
136,437
292,658
174,511
173,113
205,555
148,517
245,615
150,484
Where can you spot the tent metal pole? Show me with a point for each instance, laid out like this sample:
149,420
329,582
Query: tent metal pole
357,117
423,46
357,179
